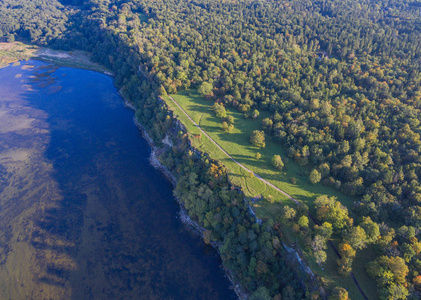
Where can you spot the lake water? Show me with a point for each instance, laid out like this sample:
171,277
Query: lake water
83,214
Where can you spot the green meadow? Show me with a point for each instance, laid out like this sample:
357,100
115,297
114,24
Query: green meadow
237,144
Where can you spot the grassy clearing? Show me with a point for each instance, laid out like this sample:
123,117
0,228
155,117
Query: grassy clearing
251,186
238,146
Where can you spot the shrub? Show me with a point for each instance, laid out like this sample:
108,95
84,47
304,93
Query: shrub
277,162
257,138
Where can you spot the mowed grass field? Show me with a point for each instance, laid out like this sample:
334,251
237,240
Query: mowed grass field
238,146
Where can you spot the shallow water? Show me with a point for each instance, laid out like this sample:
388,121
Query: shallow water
83,214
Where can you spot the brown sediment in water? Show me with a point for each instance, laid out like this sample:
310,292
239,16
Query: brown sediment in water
75,238
27,190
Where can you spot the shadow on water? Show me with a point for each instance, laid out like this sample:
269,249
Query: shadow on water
111,230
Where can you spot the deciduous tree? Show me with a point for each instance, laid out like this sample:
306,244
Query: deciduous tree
257,138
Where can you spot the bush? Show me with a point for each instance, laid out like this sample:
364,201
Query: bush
257,138
10,38
277,162
315,176
339,293
205,89
219,110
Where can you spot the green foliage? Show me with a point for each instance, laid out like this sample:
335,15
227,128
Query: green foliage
227,127
267,124
320,257
371,229
390,273
356,237
345,265
162,91
303,222
332,211
219,110
324,230
226,218
347,257
270,199
237,145
346,250
230,119
343,100
289,213
205,89
386,236
261,294
277,162
42,22
315,176
255,114
339,293
10,38
257,138
395,291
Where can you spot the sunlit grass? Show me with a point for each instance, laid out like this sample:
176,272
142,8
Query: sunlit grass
238,146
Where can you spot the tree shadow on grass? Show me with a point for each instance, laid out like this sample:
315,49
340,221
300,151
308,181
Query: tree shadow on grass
197,108
234,137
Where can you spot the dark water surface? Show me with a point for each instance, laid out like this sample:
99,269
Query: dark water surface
83,214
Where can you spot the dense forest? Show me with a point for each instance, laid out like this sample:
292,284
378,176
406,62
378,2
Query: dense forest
40,21
341,80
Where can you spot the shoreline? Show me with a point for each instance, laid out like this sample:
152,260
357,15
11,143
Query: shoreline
18,51
191,225
81,60
183,215
72,59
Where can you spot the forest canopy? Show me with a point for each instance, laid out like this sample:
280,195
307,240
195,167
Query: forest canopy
339,78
